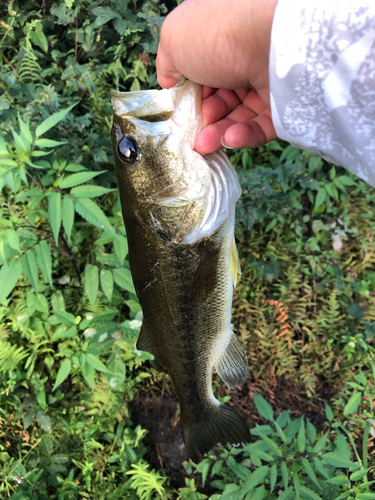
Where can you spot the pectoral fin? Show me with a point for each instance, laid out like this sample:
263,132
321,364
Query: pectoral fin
232,365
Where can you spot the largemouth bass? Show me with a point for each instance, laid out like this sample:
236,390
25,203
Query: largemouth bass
178,209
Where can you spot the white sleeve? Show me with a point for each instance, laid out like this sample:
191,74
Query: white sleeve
322,80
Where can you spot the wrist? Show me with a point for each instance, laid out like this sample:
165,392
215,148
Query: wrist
261,20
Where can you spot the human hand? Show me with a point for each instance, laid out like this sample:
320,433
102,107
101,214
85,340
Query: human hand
222,45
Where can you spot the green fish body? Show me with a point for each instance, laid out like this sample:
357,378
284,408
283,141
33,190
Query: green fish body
178,209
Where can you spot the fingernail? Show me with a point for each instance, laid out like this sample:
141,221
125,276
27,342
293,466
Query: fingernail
225,145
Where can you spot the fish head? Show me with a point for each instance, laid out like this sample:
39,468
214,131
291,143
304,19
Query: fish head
168,186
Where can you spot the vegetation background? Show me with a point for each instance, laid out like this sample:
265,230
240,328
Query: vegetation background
83,414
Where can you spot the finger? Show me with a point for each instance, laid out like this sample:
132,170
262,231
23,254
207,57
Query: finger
252,133
207,91
254,102
247,134
208,139
218,105
242,114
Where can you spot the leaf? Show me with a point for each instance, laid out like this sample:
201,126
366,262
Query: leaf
273,477
356,311
54,210
88,372
5,162
9,275
281,433
44,259
91,283
365,496
41,304
66,318
43,421
284,474
320,197
302,437
285,494
263,407
12,239
255,478
353,403
117,369
121,247
68,215
90,191
329,412
297,484
75,167
96,363
51,121
39,38
78,178
309,494
65,333
106,280
336,459
359,474
25,129
104,14
341,479
30,268
311,432
346,181
63,373
320,467
271,444
310,472
48,143
123,278
28,418
21,142
90,211
38,153
321,443
58,304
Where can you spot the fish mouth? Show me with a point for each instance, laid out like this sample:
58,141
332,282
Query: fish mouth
148,105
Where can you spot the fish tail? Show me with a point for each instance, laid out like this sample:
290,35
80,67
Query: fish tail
218,427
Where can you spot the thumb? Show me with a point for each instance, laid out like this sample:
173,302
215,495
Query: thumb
167,74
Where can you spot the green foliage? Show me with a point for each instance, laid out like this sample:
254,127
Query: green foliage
288,459
68,362
145,482
69,316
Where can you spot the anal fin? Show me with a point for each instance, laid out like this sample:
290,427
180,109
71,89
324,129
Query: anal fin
232,365
144,342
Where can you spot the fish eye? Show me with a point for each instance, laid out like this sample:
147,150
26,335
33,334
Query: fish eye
128,150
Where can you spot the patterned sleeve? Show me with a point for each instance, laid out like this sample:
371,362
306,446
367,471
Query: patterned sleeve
322,79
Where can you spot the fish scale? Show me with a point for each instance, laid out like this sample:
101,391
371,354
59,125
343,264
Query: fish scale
178,209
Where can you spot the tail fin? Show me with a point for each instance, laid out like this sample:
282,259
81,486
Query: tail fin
218,427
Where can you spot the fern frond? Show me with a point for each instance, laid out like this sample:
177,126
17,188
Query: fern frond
146,483
30,70
11,356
